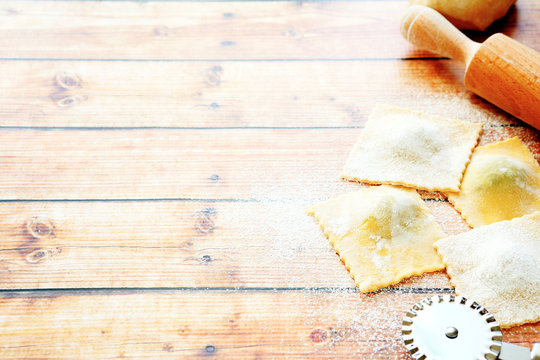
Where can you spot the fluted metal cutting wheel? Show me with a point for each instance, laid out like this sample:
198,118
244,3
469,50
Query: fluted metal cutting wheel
450,327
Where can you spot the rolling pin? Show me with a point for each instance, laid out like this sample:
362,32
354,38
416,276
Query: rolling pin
501,70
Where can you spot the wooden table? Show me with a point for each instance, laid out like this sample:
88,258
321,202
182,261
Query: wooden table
157,158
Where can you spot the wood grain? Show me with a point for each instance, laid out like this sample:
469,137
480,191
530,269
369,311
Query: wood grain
428,29
230,94
190,325
176,244
248,164
180,232
506,73
218,30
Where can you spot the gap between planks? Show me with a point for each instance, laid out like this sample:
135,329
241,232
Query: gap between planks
127,60
90,128
37,292
197,200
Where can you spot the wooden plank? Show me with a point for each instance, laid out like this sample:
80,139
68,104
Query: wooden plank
189,325
230,94
176,244
249,164
218,30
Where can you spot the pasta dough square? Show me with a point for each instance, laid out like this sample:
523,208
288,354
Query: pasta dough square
501,182
497,266
382,234
402,147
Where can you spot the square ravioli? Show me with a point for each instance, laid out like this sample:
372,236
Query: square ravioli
403,147
382,234
496,265
501,182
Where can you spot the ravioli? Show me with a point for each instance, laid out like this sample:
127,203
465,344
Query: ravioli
402,147
382,234
501,182
496,265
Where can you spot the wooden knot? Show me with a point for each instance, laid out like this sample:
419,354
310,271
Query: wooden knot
161,31
212,76
318,336
168,347
295,33
355,114
12,11
68,81
71,100
41,254
40,228
204,221
66,91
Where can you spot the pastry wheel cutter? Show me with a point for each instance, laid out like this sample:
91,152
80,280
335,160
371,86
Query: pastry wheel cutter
450,327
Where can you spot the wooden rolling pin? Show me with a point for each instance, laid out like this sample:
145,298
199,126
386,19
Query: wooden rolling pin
501,70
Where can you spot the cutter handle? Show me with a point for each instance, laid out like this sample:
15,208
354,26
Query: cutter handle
535,353
516,352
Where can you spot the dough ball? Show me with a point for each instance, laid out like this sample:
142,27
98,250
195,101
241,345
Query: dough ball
469,14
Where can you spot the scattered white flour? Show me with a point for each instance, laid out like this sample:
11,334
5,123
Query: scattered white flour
495,265
461,104
277,228
419,150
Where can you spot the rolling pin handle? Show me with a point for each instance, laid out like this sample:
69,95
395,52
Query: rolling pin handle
429,30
